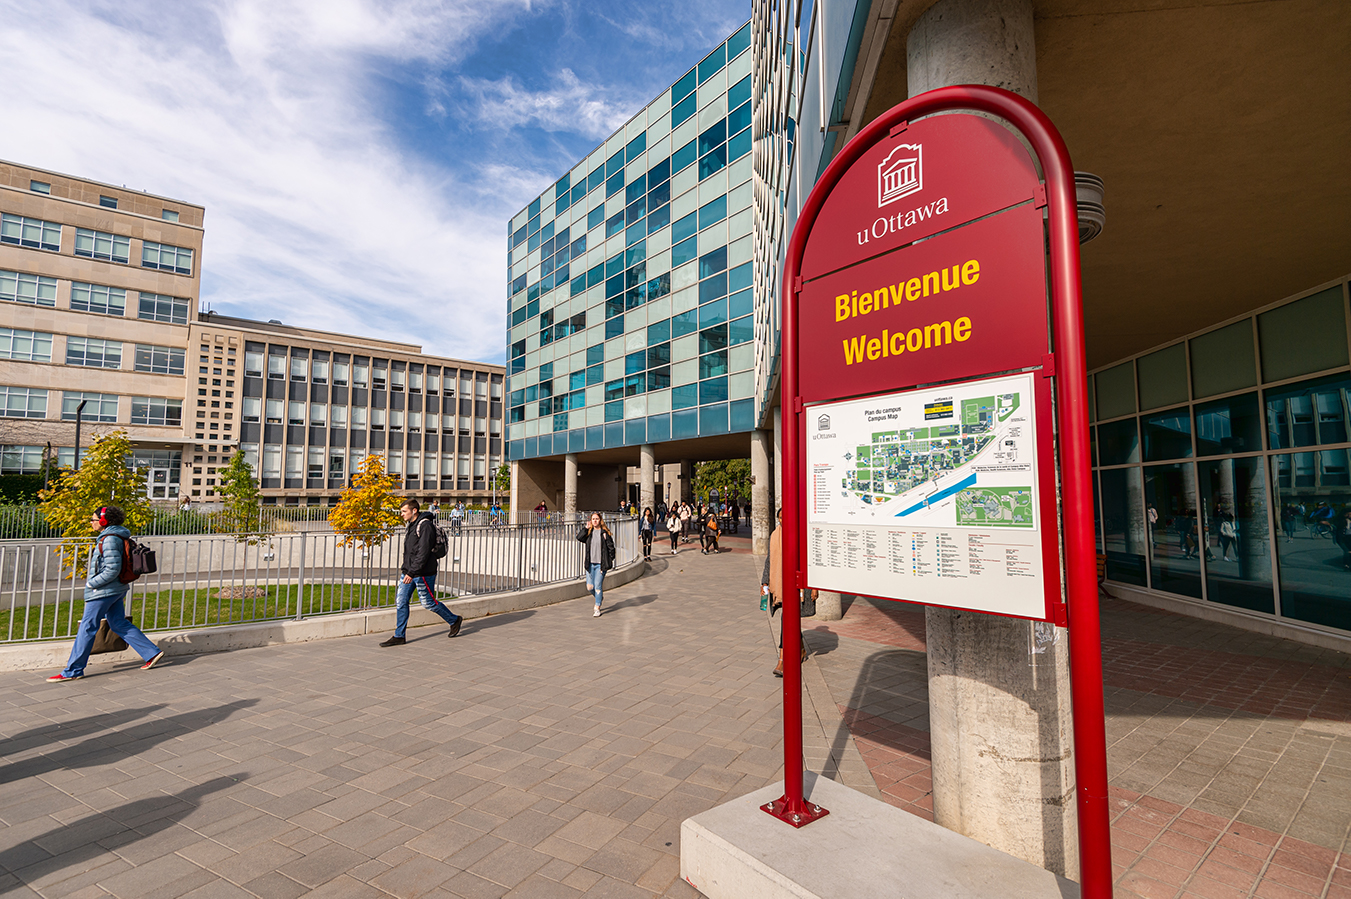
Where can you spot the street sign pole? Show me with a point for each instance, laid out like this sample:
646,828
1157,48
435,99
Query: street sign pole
1067,364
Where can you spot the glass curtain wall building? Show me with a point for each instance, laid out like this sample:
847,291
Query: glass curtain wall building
631,303
1223,464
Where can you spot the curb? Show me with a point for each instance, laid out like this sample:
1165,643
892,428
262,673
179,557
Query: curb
53,654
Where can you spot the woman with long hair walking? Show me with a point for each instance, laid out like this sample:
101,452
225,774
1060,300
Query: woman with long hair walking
599,556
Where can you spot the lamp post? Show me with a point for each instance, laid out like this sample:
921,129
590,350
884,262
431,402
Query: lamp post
79,414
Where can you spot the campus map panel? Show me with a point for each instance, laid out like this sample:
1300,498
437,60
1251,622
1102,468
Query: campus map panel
929,496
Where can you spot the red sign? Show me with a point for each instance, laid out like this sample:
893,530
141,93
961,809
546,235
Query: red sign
924,178
966,303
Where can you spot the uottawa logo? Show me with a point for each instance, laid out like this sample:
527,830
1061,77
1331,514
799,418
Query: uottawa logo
900,174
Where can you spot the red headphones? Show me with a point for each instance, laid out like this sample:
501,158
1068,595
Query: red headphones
103,516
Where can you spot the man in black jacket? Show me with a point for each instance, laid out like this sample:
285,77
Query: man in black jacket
419,572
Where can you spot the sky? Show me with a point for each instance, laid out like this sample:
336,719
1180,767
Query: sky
358,159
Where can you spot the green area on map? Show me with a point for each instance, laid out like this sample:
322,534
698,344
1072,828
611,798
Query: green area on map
995,507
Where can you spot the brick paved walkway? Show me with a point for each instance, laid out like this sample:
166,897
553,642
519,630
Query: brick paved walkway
1229,753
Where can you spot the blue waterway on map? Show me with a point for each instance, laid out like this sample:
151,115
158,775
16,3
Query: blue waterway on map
940,495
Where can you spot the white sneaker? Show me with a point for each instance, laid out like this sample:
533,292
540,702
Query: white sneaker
596,613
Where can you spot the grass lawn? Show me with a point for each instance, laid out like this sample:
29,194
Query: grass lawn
184,608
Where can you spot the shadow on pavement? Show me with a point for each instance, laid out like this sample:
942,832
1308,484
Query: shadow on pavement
472,625
79,841
69,730
129,742
631,602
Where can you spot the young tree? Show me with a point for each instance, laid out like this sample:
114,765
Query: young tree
242,512
104,479
730,477
502,478
368,511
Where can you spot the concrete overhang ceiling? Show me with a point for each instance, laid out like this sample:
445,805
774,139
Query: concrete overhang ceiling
1223,133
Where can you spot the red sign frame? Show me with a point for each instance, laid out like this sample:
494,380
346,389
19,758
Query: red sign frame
1067,366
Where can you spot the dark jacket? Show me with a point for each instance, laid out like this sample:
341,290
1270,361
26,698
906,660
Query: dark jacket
418,541
105,564
607,549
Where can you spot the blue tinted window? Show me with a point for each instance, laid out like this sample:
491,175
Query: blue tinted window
685,227
533,211
685,396
740,277
738,42
635,362
713,419
683,110
712,63
532,244
739,93
614,286
595,374
614,224
614,327
547,232
518,236
614,184
712,263
614,265
635,384
743,415
614,412
684,323
614,164
546,372
685,424
595,437
659,378
595,275
578,192
659,195
562,204
659,428
635,233
635,296
595,354
659,355
578,246
658,218
684,86
635,189
546,266
659,286
635,254
713,212
533,225
562,254
532,393
739,118
713,162
635,276
659,172
740,330
532,293
635,210
577,286
684,251
595,217
656,333
712,289
684,156
595,179
635,146
614,305
741,303
739,145
713,312
712,136
635,431
714,390
577,380
713,339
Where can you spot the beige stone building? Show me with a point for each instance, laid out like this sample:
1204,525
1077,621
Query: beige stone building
99,303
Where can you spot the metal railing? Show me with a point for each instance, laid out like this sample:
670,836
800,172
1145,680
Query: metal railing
206,581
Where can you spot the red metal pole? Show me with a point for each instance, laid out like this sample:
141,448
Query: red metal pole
1090,740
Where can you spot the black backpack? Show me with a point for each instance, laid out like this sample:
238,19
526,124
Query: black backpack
137,559
440,544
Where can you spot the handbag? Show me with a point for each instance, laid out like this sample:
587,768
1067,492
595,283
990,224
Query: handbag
808,606
107,641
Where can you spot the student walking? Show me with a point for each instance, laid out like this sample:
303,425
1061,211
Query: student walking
684,522
771,585
104,593
711,531
599,556
673,528
419,573
647,527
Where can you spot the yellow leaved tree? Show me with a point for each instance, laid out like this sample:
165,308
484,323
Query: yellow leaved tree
105,478
367,512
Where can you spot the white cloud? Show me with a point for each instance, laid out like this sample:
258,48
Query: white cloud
266,113
569,105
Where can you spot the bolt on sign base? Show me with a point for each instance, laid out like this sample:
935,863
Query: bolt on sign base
803,816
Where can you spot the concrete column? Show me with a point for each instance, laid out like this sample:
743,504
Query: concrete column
829,606
686,481
762,515
647,492
999,701
570,484
622,486
778,459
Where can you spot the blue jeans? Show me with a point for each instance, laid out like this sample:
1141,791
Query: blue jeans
95,610
425,586
595,575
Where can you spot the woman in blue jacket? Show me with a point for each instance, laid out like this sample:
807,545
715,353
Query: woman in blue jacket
103,595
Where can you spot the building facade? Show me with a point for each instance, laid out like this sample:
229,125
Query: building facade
99,289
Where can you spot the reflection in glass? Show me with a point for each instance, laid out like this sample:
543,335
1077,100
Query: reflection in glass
1238,561
1118,442
1177,532
1123,525
1309,413
1168,435
1230,425
1312,492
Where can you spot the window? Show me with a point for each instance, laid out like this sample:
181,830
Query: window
30,346
276,367
340,373
98,298
253,364
433,382
23,402
433,421
253,408
380,376
396,379
295,413
91,352
26,232
415,421
361,374
102,245
168,215
159,308
167,258
162,360
378,419
271,461
336,463
98,406
318,413
294,460
338,417
299,364
20,288
274,410
21,459
109,202
154,410
359,418
415,381
319,371
396,419
40,187
316,463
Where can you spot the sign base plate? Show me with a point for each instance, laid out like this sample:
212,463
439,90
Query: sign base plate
800,817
